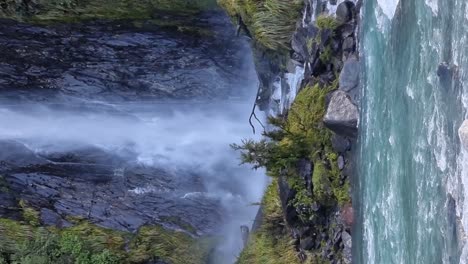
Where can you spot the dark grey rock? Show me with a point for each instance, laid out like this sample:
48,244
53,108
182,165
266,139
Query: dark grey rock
286,195
51,218
299,44
349,76
342,115
304,168
115,61
307,243
344,11
349,44
340,144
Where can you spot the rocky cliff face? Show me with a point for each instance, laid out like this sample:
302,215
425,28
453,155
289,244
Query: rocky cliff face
312,83
87,202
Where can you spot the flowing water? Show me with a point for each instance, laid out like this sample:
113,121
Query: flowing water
412,170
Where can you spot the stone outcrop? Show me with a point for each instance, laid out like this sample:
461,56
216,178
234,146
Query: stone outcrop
342,115
321,50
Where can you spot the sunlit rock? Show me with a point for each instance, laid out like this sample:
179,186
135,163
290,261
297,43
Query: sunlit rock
342,115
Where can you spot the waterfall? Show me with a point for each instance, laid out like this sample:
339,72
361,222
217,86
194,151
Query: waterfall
412,170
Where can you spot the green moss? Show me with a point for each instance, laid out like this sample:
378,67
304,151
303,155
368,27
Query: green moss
322,186
86,243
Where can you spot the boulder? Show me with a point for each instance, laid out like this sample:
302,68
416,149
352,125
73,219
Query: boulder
348,44
307,243
342,115
341,162
463,134
349,76
340,144
344,11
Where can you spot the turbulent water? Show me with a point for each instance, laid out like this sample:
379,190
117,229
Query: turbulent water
412,171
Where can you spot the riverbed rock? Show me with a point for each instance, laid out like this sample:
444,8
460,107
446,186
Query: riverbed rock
463,134
349,76
344,11
342,115
347,250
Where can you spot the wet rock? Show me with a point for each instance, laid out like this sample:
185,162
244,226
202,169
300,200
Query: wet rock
347,30
344,11
349,76
304,167
307,243
15,153
286,195
113,61
51,218
347,250
342,115
347,215
463,134
135,196
299,44
340,144
349,44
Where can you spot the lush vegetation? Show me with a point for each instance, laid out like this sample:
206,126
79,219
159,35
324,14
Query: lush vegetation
301,135
74,10
270,244
85,243
272,22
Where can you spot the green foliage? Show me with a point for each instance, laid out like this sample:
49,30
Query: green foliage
326,22
76,10
272,22
322,186
326,55
271,243
155,242
30,215
85,243
301,135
